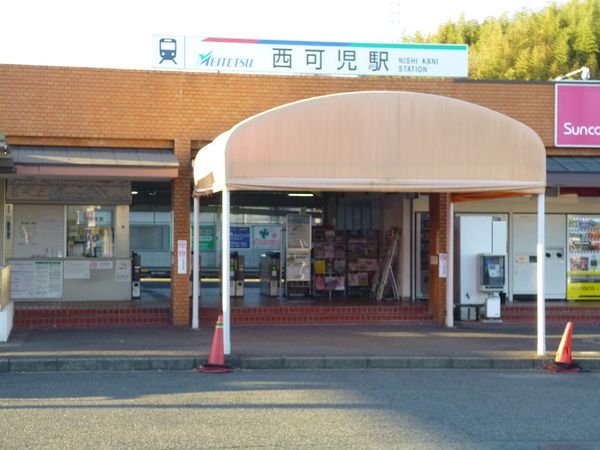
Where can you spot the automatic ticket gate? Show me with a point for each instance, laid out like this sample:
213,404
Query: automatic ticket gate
236,275
270,274
136,276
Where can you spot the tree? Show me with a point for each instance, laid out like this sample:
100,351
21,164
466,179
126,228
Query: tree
530,45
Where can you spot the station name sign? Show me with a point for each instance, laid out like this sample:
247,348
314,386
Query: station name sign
576,115
261,56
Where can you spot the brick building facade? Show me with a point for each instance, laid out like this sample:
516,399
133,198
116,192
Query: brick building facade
184,111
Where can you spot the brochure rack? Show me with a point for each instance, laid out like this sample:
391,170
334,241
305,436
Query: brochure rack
329,260
363,254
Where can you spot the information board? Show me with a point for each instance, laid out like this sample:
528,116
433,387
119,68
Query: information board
36,279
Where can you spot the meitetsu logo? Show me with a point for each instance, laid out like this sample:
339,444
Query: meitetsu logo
580,130
208,60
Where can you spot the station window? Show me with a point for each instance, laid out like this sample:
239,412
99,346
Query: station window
90,231
149,237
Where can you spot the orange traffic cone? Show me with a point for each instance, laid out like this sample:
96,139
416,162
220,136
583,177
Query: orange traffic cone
216,357
563,361
563,354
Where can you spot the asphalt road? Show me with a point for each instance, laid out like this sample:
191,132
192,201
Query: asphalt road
345,409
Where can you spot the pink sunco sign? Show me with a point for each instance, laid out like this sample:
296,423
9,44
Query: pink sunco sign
577,115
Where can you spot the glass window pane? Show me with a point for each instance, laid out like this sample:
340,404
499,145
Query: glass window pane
90,231
149,237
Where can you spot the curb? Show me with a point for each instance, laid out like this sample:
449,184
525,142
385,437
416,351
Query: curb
86,364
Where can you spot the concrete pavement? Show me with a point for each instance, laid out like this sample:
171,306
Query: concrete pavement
468,345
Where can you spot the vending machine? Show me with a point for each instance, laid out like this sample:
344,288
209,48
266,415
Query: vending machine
583,276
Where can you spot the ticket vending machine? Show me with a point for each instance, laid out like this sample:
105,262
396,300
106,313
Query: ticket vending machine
236,274
492,278
475,235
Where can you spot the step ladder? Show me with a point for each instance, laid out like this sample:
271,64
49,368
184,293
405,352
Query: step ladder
387,273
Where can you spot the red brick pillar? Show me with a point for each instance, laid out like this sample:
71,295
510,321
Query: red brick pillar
181,198
438,243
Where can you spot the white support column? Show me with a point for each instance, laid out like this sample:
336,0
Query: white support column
195,264
225,250
404,256
450,269
541,305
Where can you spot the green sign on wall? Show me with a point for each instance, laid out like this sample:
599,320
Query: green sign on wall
208,237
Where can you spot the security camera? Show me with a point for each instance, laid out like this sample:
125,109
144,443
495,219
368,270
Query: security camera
585,73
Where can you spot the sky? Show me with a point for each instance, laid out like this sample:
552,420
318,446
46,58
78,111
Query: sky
117,33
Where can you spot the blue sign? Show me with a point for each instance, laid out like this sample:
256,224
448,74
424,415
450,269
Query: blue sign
239,237
168,50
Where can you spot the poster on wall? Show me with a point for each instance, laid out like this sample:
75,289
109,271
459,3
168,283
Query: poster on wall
208,237
583,277
298,231
36,279
239,237
297,265
123,270
101,265
76,269
266,237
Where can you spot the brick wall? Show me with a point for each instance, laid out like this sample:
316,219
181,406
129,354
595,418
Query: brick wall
438,243
105,107
181,195
107,104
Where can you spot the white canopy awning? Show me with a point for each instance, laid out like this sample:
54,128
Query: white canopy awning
379,141
375,142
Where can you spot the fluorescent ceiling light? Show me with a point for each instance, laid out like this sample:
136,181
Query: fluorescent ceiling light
300,194
134,192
